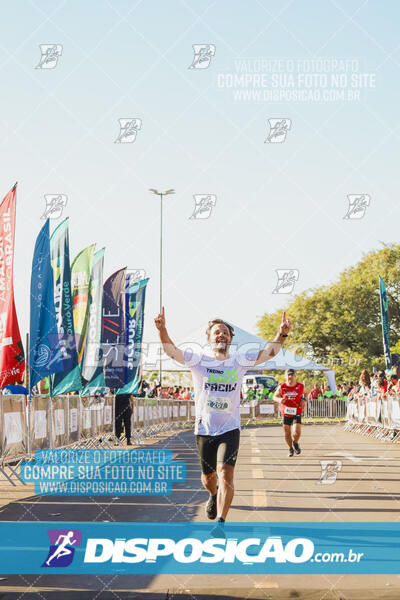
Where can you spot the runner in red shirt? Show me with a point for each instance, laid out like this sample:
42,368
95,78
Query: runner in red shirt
292,402
314,393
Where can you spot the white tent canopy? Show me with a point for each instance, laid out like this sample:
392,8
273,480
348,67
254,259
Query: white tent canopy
245,342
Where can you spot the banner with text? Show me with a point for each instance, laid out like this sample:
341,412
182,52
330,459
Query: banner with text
12,361
70,379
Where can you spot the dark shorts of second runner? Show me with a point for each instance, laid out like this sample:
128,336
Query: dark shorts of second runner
290,419
215,449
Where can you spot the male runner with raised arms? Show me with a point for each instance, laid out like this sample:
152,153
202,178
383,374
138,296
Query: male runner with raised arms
217,384
292,403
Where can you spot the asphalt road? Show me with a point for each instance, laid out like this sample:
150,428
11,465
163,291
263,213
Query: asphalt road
269,486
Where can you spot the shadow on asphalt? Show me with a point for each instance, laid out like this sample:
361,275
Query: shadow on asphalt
181,505
270,594
116,595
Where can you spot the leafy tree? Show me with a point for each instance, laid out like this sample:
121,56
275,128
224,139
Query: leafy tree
341,322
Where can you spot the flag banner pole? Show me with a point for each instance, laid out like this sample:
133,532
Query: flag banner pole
385,323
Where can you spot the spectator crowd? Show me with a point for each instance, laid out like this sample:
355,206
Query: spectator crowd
375,385
175,392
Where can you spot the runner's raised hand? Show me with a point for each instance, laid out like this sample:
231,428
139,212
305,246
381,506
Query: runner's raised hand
285,325
159,321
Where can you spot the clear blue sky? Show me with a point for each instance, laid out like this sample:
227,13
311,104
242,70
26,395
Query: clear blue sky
278,205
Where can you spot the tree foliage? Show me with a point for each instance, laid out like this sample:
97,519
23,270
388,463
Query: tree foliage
341,322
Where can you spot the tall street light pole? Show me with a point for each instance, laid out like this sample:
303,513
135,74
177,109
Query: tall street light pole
161,194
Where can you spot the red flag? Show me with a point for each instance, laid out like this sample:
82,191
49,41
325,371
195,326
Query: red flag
12,361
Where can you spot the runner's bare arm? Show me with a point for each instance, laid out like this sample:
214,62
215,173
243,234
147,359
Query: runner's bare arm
168,345
273,347
277,396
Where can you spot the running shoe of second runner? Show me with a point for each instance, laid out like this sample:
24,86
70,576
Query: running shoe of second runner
297,448
291,452
211,507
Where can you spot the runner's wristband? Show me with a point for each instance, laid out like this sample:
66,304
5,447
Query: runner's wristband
283,334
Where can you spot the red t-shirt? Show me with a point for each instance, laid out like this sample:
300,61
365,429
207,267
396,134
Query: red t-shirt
291,397
384,387
315,392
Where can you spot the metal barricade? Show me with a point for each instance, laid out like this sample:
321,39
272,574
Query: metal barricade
138,421
86,423
102,436
394,412
373,413
183,412
39,430
351,415
375,416
245,410
154,422
74,419
175,411
267,408
108,419
14,443
59,422
165,412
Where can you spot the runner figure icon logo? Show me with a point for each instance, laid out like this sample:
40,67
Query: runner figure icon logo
61,551
128,129
55,203
203,205
286,281
50,53
358,204
278,129
133,276
203,54
329,471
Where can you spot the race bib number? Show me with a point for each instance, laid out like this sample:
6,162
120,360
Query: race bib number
219,405
290,410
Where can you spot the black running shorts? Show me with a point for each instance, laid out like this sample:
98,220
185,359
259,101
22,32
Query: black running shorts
215,449
290,419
